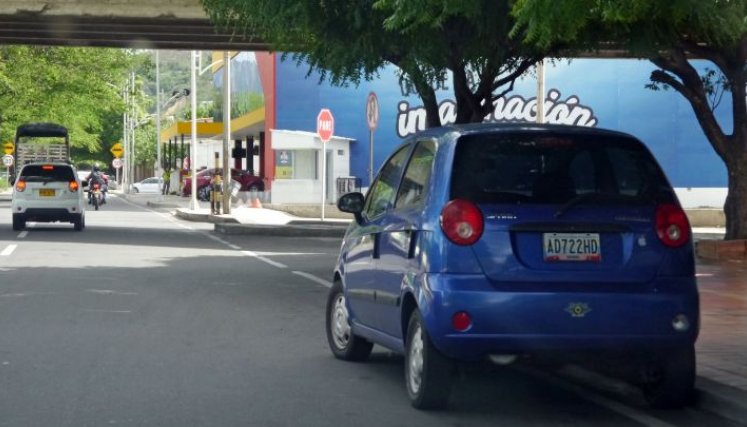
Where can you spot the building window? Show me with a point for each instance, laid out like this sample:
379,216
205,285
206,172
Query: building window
296,164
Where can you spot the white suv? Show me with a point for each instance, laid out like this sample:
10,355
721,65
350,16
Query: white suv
48,192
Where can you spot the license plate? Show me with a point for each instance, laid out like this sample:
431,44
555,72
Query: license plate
46,192
571,247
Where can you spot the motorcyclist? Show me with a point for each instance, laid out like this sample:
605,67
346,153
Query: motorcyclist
97,177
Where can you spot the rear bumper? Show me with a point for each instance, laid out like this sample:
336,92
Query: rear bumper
526,322
66,212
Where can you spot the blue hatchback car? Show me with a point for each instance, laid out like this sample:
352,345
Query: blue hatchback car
501,242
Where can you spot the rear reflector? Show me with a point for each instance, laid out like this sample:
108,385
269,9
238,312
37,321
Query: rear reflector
461,321
462,222
672,225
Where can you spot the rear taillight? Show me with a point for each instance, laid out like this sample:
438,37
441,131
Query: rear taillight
462,222
73,186
672,225
20,185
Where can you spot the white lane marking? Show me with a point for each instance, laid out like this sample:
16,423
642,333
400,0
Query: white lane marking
313,278
23,234
109,292
94,310
261,258
26,294
167,217
620,408
235,247
8,250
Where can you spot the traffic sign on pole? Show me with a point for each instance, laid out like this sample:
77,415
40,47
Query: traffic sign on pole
117,163
8,147
325,125
7,160
372,111
117,150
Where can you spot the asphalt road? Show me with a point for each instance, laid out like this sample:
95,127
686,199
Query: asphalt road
145,320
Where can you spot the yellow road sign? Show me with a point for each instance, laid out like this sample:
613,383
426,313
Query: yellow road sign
117,150
8,147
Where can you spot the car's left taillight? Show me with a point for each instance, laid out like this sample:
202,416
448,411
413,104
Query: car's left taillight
462,222
73,186
672,226
20,185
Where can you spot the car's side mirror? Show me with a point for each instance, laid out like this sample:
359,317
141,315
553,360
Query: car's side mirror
352,203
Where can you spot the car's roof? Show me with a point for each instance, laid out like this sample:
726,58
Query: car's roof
476,128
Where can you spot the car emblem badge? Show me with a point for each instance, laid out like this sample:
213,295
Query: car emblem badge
578,309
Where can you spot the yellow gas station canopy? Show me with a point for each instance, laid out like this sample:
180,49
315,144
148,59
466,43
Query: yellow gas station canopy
204,130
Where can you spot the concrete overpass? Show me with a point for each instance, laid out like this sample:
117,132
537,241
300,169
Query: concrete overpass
165,24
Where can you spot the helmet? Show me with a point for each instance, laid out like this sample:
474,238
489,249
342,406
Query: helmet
96,168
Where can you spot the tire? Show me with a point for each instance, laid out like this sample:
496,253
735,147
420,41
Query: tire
135,190
19,222
95,202
79,223
429,375
342,342
669,378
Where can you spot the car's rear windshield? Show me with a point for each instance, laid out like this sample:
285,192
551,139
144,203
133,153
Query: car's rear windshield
551,168
47,173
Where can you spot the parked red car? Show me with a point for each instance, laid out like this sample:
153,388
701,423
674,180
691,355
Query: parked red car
247,181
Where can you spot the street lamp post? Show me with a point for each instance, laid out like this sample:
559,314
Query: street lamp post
226,132
159,165
193,205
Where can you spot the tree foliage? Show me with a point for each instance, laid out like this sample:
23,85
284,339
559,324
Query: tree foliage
671,33
78,88
428,40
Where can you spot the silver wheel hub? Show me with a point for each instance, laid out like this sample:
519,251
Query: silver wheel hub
340,325
415,361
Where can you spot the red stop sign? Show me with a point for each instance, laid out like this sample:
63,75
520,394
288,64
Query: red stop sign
325,125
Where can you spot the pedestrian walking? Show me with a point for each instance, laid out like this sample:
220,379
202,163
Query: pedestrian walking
166,181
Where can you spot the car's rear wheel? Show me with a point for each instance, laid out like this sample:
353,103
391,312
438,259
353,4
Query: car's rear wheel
343,343
669,378
79,223
135,190
19,222
429,375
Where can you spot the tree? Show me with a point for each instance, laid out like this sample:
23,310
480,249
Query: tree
75,87
350,41
670,34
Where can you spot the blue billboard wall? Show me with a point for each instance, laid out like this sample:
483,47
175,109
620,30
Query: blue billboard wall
607,93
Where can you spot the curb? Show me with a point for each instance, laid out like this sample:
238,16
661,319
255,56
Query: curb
215,219
291,230
163,205
710,396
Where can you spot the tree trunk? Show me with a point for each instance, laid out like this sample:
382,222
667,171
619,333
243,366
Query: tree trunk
735,208
428,96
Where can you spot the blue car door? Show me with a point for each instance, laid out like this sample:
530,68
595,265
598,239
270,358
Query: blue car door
398,237
363,244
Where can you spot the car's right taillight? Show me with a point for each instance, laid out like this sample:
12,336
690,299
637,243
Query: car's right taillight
462,222
20,185
672,225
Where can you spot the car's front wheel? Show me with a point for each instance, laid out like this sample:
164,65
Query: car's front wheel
19,222
669,378
204,193
429,375
343,343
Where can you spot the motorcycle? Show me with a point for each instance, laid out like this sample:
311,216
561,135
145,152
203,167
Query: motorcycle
96,196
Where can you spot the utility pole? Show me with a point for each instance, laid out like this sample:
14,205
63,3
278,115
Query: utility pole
226,132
